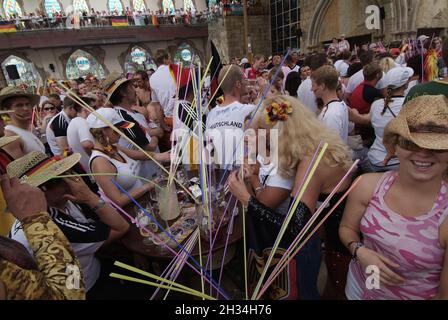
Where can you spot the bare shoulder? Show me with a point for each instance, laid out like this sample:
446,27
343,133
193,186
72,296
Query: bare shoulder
100,164
366,185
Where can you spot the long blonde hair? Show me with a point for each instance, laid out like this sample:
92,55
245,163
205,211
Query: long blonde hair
300,135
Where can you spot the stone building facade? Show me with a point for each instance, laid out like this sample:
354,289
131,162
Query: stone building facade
321,20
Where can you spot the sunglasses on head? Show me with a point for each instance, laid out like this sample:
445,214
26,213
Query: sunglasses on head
49,108
411,146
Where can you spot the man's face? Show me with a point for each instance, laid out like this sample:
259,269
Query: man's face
22,108
138,81
73,84
317,89
260,64
82,89
131,95
276,60
71,112
55,101
295,57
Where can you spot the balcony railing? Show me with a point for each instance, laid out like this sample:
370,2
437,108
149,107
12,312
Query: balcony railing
65,22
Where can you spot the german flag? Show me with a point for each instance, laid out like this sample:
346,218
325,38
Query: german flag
120,22
6,26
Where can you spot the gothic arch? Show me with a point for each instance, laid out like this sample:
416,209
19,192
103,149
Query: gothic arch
97,52
317,21
19,2
124,54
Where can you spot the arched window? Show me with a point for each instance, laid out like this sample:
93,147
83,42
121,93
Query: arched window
115,5
186,55
81,64
189,5
168,5
11,7
139,59
26,70
80,6
52,7
139,5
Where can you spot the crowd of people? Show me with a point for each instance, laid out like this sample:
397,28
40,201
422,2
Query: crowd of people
96,18
380,107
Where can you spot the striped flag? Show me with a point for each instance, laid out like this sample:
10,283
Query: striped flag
6,26
120,22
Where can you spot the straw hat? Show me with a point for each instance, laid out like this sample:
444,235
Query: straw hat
36,167
112,83
7,140
109,114
10,92
423,120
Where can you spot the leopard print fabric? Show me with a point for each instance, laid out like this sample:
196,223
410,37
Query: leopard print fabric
55,258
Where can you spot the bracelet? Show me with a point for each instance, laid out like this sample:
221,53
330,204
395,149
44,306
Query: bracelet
100,204
258,189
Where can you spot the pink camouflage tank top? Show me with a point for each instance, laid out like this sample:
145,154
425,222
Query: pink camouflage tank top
411,242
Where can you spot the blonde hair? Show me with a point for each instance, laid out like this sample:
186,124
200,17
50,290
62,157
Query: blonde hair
228,83
387,64
300,135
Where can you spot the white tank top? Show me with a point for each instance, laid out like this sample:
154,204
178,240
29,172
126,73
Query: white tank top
30,141
126,170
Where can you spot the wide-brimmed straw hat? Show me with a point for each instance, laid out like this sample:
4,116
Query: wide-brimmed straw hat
7,140
110,115
423,120
36,167
112,83
10,92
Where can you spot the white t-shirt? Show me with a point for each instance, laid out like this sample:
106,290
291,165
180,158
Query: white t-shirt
335,116
77,132
30,141
306,96
358,77
270,177
163,89
343,46
224,132
377,151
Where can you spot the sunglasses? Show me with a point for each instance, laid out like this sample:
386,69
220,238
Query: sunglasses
411,146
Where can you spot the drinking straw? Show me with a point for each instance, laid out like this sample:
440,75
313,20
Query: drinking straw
170,236
309,236
288,219
306,228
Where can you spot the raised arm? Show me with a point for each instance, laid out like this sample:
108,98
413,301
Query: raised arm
51,250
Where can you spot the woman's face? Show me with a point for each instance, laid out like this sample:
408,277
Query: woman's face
113,136
305,72
421,164
49,110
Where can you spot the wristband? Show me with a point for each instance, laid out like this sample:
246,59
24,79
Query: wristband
100,204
